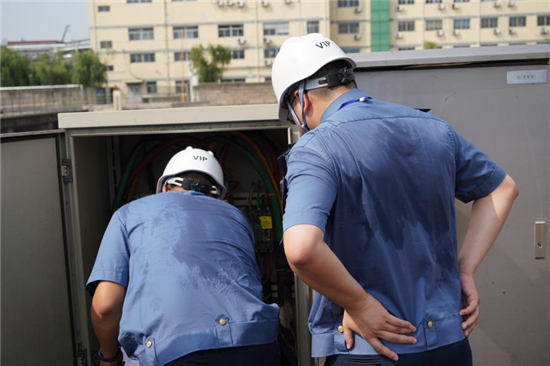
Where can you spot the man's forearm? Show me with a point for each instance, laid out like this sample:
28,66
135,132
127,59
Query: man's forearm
313,261
106,313
106,330
486,220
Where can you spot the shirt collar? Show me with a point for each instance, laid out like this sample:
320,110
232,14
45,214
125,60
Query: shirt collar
335,105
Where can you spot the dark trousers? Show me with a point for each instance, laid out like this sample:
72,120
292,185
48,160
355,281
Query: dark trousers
456,354
264,354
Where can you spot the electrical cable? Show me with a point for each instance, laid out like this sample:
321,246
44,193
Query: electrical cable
275,208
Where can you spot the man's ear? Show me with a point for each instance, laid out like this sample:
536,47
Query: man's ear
307,103
166,188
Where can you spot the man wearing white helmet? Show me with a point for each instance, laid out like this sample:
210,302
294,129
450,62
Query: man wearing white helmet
369,217
175,280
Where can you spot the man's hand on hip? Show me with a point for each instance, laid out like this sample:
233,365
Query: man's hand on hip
372,321
471,302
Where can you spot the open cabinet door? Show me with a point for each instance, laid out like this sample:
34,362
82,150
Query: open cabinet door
37,325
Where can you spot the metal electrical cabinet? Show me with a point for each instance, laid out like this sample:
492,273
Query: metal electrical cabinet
496,97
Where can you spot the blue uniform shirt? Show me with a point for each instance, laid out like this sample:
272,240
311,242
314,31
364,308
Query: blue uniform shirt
187,262
380,180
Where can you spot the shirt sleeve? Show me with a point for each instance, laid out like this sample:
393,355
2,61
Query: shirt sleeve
311,185
112,261
476,174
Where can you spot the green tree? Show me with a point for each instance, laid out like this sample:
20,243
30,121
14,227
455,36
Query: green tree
210,68
15,69
88,69
52,69
430,45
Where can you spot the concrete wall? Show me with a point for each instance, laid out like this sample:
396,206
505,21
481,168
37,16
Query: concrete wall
235,93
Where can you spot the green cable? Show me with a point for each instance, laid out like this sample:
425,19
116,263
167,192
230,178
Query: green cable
273,200
125,176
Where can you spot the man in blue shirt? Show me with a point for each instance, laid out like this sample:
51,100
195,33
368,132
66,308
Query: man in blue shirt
175,281
369,219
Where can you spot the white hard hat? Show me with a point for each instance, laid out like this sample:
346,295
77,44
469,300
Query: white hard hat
194,160
298,59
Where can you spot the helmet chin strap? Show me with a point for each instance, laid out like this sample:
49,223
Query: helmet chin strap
302,125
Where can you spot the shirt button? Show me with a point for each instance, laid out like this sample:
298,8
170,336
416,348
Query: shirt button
340,329
149,344
223,322
430,324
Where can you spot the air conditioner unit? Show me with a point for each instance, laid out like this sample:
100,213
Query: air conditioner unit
357,36
267,40
496,31
221,3
400,8
268,62
357,10
511,3
265,3
399,35
512,31
456,32
544,31
441,6
230,3
456,6
497,4
440,33
241,40
240,3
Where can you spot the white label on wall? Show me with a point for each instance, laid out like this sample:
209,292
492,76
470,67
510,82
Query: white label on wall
527,77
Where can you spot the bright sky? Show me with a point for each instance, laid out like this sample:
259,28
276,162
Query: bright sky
44,20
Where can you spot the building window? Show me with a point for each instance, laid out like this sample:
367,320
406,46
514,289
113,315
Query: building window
313,27
142,57
489,22
433,1
543,20
462,24
179,56
434,25
348,28
179,1
405,2
488,44
270,52
276,29
230,30
461,46
151,87
232,80
105,44
103,8
351,49
237,54
405,26
348,3
406,49
136,34
461,1
109,68
137,1
517,21
186,32
178,87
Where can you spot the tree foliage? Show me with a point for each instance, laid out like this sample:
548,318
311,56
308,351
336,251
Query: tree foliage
51,69
428,45
88,69
210,67
15,69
